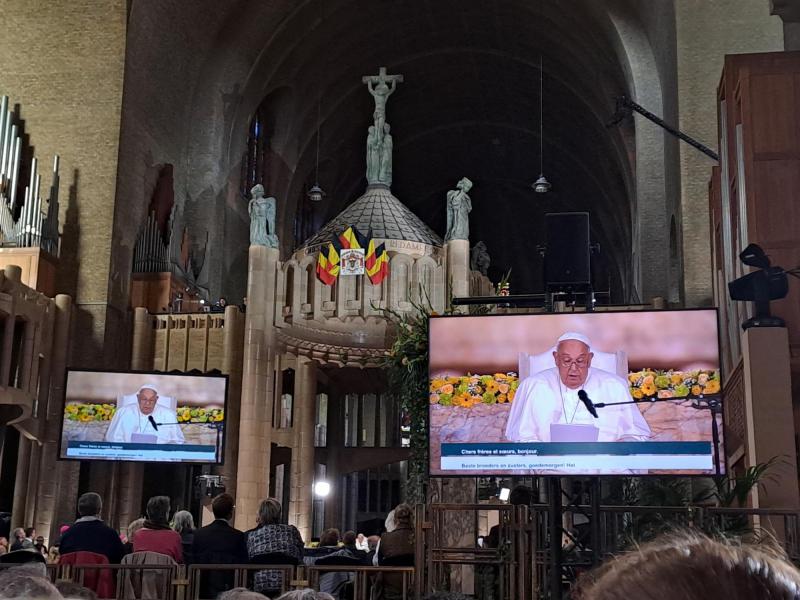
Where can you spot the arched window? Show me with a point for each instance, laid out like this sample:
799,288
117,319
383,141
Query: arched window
289,297
311,280
254,160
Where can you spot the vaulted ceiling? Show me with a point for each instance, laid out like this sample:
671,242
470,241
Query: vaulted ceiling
469,106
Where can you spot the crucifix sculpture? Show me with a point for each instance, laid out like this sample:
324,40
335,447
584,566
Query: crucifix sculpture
379,140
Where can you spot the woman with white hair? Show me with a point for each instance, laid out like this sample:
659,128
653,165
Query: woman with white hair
183,524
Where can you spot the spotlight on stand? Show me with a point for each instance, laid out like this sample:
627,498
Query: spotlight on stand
760,287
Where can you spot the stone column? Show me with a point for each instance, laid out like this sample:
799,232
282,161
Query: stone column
232,366
768,414
12,273
301,499
705,33
457,256
129,481
21,483
48,475
255,433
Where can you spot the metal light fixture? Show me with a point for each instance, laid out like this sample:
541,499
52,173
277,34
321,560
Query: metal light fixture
760,287
541,185
316,193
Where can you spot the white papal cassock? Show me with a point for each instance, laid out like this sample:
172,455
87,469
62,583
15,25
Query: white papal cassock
543,399
129,420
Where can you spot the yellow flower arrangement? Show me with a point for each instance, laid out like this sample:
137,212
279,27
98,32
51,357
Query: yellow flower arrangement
471,389
85,412
673,384
500,388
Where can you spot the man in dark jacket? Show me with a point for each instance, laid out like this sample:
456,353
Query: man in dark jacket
90,534
219,543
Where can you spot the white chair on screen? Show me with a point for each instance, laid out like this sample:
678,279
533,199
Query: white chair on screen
611,362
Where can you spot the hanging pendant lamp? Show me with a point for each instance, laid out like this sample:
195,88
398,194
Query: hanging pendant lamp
316,193
541,185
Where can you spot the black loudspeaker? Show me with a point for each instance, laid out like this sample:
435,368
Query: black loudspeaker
567,258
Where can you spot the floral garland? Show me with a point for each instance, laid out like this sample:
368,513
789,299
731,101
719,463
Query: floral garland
650,383
469,390
84,412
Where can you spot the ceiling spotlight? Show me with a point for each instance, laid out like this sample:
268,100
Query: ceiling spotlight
316,193
541,185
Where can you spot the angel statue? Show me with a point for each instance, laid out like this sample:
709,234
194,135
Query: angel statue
459,206
262,218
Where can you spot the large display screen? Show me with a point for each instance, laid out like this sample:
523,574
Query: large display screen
598,393
152,417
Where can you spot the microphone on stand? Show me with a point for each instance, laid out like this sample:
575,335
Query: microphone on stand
153,422
587,403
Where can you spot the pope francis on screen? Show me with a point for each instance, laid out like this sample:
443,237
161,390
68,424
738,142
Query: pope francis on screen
551,397
135,418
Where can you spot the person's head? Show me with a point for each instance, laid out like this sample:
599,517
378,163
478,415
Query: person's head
240,593
403,516
269,512
74,591
90,504
147,397
329,537
223,302
40,540
306,594
183,521
222,506
3,542
19,534
573,356
158,509
257,191
386,128
521,495
27,582
133,527
30,532
693,567
464,185
349,538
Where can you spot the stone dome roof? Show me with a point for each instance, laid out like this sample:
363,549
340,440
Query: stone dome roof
378,209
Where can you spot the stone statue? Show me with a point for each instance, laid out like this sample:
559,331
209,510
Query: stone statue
459,206
373,155
376,84
385,171
262,218
479,259
379,140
